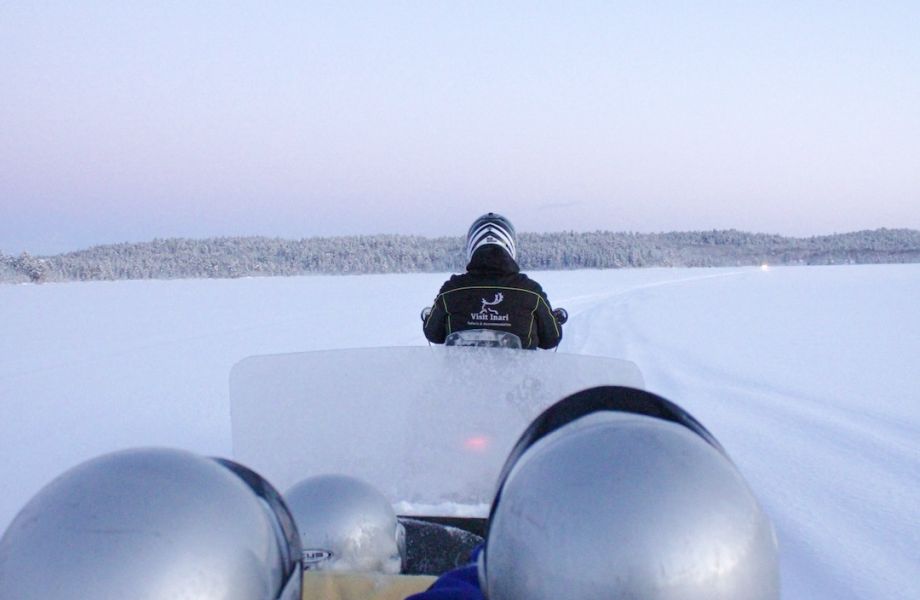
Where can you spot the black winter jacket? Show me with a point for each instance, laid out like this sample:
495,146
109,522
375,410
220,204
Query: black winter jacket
494,294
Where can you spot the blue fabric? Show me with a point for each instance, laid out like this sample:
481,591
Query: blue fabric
460,584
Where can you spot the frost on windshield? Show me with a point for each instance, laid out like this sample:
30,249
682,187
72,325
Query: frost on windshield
426,426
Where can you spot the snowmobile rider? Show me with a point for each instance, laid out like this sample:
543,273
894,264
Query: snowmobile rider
493,293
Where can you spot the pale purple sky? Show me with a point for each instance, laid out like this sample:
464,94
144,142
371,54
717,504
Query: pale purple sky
128,121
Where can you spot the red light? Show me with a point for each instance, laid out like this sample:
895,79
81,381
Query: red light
478,443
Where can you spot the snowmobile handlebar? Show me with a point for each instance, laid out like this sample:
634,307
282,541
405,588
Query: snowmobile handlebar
561,315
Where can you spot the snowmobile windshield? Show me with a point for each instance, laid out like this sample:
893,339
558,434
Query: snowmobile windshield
429,427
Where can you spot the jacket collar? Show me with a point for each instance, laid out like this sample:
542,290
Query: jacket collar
492,259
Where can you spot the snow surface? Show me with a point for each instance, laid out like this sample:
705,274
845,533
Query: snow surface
807,375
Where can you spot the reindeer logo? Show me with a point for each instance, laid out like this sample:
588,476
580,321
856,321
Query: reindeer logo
490,315
486,304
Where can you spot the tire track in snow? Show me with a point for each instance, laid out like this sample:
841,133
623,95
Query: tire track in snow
815,463
589,310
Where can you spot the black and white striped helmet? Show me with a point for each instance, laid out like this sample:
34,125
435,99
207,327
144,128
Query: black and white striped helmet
491,228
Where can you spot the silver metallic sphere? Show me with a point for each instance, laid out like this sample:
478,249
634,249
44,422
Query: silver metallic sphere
145,524
620,505
346,524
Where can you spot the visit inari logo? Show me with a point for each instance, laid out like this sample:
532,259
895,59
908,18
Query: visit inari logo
487,313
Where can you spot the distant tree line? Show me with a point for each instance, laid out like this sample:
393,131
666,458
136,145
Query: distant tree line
260,256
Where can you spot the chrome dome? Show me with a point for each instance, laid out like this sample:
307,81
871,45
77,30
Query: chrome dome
346,524
624,505
146,524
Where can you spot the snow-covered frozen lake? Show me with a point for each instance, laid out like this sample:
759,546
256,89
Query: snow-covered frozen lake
808,376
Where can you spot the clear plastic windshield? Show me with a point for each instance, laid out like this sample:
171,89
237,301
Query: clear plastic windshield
429,427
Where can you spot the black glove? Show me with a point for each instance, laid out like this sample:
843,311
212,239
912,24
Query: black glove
562,315
425,312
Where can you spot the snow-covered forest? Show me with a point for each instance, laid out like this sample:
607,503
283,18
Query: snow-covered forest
230,257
